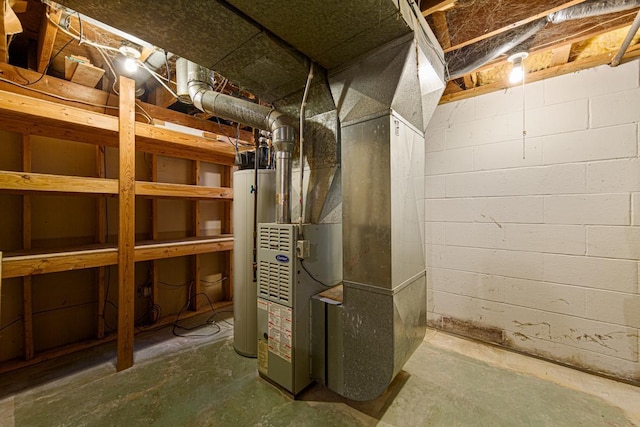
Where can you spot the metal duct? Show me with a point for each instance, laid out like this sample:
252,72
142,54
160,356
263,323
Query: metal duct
194,82
592,8
468,58
384,103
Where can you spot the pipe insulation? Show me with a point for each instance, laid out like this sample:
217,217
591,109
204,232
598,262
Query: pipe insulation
592,8
195,86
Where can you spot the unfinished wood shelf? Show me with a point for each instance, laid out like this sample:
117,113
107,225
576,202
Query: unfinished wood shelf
19,264
32,116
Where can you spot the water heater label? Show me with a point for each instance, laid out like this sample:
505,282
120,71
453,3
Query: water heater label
282,258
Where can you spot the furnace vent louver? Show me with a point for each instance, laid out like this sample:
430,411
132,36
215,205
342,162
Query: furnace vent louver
275,271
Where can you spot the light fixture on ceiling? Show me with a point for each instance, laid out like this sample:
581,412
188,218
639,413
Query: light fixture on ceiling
131,55
517,71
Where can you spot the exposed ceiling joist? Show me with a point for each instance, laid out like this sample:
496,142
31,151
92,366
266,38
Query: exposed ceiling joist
47,37
430,6
472,22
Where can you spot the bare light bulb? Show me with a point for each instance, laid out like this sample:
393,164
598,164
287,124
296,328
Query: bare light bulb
517,72
130,65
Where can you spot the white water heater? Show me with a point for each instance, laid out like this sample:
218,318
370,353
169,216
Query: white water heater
245,290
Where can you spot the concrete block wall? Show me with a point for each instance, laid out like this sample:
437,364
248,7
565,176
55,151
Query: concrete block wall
535,244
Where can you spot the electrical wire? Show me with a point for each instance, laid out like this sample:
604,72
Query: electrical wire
44,73
311,275
209,322
11,323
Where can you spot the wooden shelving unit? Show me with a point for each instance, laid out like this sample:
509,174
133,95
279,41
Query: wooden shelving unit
31,116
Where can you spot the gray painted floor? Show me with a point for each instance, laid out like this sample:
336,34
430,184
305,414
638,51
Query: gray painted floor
202,381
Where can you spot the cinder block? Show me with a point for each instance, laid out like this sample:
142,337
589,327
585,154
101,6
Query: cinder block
544,296
434,187
453,112
614,307
571,355
615,108
499,210
558,179
444,210
508,154
449,161
614,176
594,144
591,272
613,242
635,209
558,239
485,131
559,118
491,235
592,82
435,232
473,285
509,100
599,337
596,209
487,313
524,265
433,255
434,139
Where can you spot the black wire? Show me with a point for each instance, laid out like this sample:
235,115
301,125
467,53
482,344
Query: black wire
49,64
311,275
209,322
11,323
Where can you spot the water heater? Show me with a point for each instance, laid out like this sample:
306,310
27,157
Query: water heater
245,290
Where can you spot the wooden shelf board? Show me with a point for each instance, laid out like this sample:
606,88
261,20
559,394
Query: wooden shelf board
20,264
32,182
26,114
194,192
27,182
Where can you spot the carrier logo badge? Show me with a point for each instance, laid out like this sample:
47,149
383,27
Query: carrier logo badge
282,258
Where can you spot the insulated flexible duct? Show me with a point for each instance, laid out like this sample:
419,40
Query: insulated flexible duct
469,58
194,85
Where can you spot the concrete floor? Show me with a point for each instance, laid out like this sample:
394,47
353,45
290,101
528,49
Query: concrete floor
202,381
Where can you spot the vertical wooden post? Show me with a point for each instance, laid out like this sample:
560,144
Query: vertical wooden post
126,224
195,266
227,228
101,237
155,295
27,286
4,51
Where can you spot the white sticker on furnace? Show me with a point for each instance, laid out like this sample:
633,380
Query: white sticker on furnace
280,320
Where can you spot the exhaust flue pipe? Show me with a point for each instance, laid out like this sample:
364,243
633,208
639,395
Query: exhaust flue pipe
196,86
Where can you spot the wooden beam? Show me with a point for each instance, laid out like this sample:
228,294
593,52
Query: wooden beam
47,36
99,98
431,6
441,29
101,238
195,225
25,182
126,224
194,192
149,251
227,228
155,279
102,129
559,70
482,19
560,55
27,285
19,264
4,51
